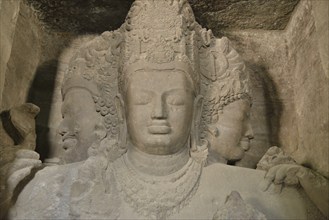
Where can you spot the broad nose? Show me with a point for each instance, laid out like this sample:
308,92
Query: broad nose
63,127
249,131
159,108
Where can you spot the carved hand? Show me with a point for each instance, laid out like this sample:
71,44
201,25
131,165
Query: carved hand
315,185
283,174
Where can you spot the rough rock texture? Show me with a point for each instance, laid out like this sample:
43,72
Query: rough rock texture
274,156
20,70
17,132
98,16
273,107
288,110
8,18
251,14
290,70
236,208
308,62
29,56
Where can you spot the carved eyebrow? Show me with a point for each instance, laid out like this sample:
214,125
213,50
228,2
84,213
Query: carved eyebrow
143,90
178,90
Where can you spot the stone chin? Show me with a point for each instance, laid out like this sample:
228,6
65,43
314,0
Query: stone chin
69,144
157,144
70,148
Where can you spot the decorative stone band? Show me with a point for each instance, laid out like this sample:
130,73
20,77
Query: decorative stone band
77,81
157,197
212,108
143,65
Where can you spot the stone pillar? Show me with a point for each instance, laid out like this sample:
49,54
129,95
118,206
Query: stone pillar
320,11
9,11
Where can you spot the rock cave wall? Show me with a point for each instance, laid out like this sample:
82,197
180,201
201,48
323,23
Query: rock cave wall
307,40
289,74
29,64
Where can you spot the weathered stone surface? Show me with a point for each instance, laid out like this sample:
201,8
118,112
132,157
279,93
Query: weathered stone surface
272,113
160,171
17,133
211,195
290,86
254,14
29,73
236,208
97,16
8,18
21,65
274,156
273,116
286,174
306,51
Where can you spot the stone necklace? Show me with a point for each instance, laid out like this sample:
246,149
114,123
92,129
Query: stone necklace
153,196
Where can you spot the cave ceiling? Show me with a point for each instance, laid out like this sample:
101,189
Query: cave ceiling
96,16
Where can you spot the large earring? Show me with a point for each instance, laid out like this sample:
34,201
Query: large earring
122,136
195,136
198,151
100,131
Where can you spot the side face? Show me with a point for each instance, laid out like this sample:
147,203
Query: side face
79,124
235,131
159,110
235,124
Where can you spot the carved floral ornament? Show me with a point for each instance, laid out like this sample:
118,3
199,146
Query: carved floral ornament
174,39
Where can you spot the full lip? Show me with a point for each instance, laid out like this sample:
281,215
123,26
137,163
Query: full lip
68,137
159,127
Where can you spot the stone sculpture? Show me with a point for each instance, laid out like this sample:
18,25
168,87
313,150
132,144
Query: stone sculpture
17,135
273,157
81,126
283,170
236,208
227,100
156,60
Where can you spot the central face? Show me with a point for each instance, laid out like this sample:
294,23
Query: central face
159,110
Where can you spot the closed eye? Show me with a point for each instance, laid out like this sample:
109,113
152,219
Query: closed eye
141,98
175,100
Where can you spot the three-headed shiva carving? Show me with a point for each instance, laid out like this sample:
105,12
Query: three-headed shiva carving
145,103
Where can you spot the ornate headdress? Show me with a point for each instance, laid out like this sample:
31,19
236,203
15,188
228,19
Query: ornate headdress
94,68
161,35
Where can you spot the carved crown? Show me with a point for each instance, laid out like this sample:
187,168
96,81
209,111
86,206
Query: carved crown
159,35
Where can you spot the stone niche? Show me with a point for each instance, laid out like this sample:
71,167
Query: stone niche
284,44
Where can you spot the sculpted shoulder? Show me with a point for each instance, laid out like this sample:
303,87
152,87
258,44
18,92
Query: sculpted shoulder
47,195
219,180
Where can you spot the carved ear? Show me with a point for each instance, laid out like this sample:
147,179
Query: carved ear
122,138
195,139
